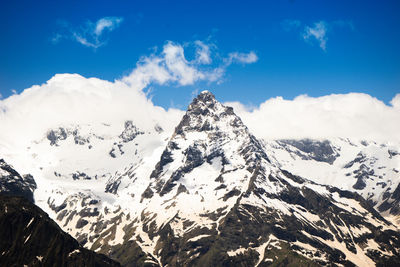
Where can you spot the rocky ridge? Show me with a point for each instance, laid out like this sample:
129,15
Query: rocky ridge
28,237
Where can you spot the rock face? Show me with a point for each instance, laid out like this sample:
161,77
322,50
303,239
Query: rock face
12,183
54,136
321,151
29,237
130,132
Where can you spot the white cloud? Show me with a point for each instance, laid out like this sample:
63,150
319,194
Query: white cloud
107,23
72,99
180,69
396,101
317,32
244,58
56,38
171,65
202,53
91,34
354,115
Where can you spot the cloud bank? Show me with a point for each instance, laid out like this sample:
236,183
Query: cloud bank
354,115
73,99
70,99
396,101
91,34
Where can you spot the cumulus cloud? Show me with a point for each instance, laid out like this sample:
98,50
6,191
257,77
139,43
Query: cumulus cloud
396,101
202,53
171,65
69,99
244,58
107,23
73,99
91,34
354,115
317,32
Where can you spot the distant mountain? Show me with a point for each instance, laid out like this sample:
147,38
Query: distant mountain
28,237
212,194
368,168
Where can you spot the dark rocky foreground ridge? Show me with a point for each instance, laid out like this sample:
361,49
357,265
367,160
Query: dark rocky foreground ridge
28,237
13,184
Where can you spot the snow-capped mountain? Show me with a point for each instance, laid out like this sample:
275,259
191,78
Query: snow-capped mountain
368,168
212,194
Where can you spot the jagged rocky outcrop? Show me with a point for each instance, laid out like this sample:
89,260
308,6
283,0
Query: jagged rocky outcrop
56,135
130,132
28,237
12,183
391,202
322,151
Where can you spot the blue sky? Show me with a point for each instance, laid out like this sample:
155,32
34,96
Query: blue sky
303,47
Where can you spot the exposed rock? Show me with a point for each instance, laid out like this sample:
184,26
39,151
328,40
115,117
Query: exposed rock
57,135
29,237
130,132
12,183
313,149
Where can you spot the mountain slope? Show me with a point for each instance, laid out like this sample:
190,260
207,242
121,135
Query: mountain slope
12,183
368,168
28,236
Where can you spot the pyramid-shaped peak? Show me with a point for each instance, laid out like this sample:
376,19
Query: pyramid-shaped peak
204,100
205,113
205,92
208,131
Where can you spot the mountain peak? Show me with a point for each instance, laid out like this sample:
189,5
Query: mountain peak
205,100
205,92
205,113
209,136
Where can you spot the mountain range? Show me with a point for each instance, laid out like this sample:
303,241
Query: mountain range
210,193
